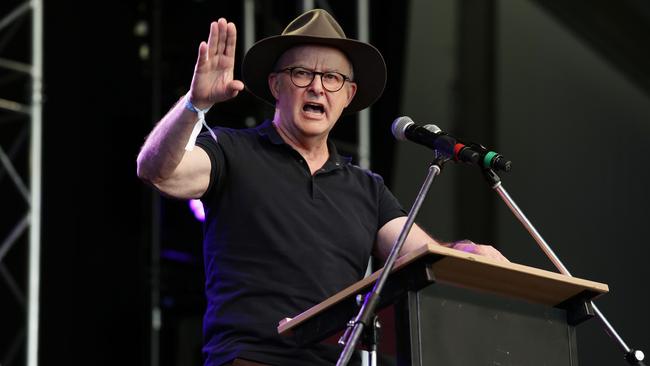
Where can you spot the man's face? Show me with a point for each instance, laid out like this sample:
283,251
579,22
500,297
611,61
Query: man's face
311,111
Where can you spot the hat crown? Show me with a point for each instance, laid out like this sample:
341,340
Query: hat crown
315,23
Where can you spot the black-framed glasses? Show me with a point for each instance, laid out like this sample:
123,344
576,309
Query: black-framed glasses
331,81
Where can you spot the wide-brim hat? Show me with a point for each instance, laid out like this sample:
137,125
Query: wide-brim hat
316,27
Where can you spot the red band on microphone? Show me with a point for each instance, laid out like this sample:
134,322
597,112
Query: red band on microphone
457,149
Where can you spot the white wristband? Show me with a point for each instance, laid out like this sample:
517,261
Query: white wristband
197,127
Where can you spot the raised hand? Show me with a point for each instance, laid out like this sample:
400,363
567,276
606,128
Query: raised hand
213,74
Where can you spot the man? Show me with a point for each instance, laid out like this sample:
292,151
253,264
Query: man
289,222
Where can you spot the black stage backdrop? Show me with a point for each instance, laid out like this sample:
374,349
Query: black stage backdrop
97,219
96,113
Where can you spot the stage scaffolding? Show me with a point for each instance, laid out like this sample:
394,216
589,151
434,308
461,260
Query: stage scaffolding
27,222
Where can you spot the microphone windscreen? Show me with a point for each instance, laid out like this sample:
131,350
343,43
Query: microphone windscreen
399,127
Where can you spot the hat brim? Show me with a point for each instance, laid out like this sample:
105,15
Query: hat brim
367,61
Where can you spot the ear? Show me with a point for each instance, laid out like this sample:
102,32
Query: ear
274,85
351,90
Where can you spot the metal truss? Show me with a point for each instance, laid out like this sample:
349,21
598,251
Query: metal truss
29,222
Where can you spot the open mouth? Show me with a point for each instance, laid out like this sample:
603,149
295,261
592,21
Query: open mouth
313,108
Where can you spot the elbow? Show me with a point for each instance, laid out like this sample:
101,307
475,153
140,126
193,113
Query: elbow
144,170
142,174
141,169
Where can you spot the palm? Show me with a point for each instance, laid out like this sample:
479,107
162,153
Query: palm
213,75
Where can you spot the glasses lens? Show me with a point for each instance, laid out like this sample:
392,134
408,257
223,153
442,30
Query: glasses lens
332,81
301,77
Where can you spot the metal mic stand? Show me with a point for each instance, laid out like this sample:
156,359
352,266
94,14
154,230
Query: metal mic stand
633,357
366,316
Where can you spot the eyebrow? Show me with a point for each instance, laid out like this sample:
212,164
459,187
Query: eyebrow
326,70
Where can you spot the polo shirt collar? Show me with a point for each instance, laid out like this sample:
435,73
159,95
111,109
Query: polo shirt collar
267,130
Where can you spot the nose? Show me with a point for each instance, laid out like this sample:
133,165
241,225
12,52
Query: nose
316,85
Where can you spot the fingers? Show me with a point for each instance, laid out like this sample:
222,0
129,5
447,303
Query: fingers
223,36
465,246
222,39
482,250
203,52
213,39
218,36
490,252
231,40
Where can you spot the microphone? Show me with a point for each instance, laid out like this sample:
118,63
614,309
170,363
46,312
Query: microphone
491,159
470,152
431,136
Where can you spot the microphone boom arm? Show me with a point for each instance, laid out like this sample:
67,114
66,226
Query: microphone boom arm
633,357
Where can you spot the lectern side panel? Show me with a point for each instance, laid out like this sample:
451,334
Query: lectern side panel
407,335
456,326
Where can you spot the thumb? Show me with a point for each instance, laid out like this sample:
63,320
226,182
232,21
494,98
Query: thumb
234,87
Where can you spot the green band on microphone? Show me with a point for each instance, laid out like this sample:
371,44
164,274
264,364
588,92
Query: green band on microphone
487,160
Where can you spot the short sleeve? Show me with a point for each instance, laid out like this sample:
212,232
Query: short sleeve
215,151
389,206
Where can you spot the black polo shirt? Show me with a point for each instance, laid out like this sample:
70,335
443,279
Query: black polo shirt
278,240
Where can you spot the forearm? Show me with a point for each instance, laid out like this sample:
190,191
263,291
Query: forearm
391,230
164,148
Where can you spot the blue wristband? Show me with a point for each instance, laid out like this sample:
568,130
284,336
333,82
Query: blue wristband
192,107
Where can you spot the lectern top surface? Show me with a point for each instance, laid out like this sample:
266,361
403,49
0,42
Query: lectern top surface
476,272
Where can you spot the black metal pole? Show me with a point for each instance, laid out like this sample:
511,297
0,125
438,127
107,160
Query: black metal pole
367,311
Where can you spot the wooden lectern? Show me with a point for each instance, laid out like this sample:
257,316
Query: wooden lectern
456,308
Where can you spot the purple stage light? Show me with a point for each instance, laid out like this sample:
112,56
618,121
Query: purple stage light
197,209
